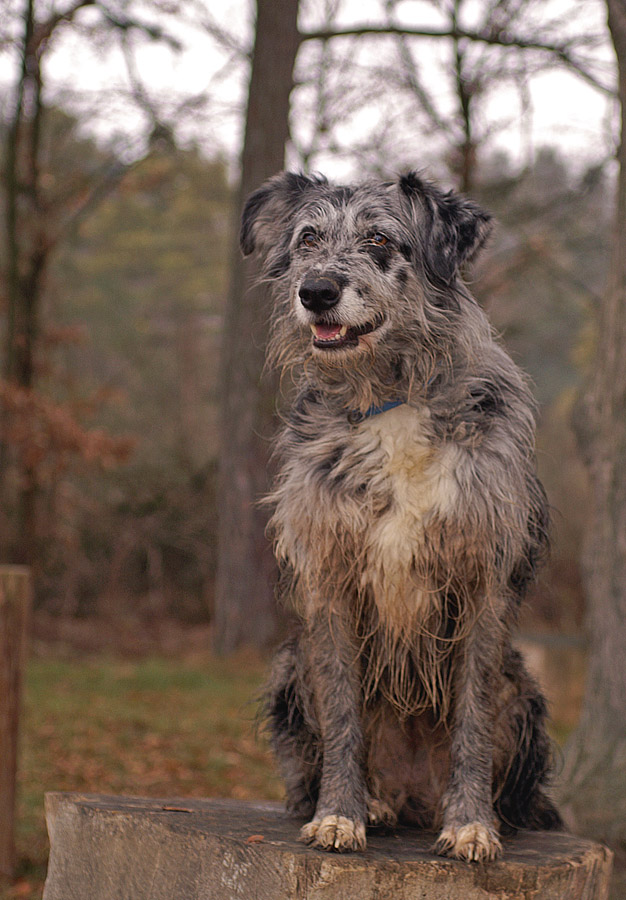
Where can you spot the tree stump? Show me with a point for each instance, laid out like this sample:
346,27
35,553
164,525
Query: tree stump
15,596
123,848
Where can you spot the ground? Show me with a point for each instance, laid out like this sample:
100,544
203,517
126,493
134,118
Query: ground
122,708
113,716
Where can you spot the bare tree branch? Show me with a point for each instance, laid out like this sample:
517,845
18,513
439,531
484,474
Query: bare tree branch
412,81
127,24
43,30
563,53
226,40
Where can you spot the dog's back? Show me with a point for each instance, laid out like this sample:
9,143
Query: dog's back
408,521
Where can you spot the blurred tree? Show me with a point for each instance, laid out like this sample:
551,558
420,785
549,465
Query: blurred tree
594,779
129,342
37,217
545,266
145,277
244,608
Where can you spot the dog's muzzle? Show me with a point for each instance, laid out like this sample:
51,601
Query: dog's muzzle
319,295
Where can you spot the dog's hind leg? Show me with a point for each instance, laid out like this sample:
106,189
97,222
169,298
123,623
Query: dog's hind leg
339,820
470,828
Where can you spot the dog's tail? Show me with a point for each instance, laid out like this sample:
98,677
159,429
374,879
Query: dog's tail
521,798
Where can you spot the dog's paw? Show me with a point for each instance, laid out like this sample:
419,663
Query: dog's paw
334,833
474,843
380,813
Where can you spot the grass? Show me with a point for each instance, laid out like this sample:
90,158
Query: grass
152,727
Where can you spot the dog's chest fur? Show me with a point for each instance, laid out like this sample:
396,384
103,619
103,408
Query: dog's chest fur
356,501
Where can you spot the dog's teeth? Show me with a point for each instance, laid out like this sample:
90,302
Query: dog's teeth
313,328
343,331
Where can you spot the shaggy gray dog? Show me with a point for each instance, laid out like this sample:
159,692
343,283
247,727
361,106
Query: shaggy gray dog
408,522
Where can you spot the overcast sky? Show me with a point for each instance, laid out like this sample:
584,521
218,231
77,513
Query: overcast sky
564,110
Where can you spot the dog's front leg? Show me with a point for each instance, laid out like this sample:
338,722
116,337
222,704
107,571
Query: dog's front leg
339,821
470,829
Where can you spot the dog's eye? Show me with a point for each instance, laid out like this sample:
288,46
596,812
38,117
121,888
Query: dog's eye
309,239
378,239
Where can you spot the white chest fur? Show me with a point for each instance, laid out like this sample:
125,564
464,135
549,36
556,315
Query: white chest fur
419,474
363,521
420,478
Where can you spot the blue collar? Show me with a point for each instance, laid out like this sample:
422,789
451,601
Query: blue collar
355,416
376,410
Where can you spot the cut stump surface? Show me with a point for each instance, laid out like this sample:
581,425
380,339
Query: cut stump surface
124,848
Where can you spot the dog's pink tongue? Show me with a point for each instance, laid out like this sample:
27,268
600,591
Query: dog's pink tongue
327,332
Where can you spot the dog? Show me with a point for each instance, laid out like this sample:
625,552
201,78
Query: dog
408,522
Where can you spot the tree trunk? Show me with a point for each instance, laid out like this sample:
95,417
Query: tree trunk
594,777
27,258
244,604
14,609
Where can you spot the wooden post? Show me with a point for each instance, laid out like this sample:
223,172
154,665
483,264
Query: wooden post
15,600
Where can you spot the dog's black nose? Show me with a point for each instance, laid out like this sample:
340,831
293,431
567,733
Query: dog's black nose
318,293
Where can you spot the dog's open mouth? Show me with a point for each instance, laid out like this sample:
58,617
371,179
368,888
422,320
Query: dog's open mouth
331,335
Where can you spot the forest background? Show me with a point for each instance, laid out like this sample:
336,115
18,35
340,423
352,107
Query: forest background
127,214
130,348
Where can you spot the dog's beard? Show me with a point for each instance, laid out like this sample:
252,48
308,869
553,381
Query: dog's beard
356,376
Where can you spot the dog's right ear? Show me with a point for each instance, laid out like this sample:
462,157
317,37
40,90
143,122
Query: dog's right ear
269,209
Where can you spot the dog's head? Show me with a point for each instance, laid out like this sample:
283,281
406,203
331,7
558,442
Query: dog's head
358,264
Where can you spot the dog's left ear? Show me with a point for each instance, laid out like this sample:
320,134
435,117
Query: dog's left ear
455,228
